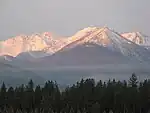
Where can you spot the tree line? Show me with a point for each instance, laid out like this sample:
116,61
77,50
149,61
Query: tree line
86,96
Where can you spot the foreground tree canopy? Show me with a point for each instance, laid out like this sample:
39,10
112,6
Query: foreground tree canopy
86,96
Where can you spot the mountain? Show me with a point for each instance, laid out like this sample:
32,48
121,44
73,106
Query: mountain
91,47
43,44
91,51
114,41
36,42
87,54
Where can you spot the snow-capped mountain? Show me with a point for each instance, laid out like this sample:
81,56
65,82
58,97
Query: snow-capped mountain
45,44
111,39
92,45
36,42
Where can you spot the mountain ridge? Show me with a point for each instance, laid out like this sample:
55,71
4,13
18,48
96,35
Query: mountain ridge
46,43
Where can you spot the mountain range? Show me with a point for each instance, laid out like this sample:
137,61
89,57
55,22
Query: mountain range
47,44
94,49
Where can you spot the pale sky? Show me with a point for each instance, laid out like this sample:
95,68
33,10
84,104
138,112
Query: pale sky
66,17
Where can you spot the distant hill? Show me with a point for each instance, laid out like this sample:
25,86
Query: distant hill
16,76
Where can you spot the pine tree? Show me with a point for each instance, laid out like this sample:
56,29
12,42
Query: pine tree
30,85
38,97
3,95
95,108
133,80
29,96
10,97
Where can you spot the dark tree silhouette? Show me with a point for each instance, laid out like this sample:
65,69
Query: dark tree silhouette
86,96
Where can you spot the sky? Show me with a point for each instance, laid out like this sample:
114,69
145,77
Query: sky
66,17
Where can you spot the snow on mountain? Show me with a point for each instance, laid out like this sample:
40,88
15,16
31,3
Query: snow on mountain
92,34
23,43
44,42
138,38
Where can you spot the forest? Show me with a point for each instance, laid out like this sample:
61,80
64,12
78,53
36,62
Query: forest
85,96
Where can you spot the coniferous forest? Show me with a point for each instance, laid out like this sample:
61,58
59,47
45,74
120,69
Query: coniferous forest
86,96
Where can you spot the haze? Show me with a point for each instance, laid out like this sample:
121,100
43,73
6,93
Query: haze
65,17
